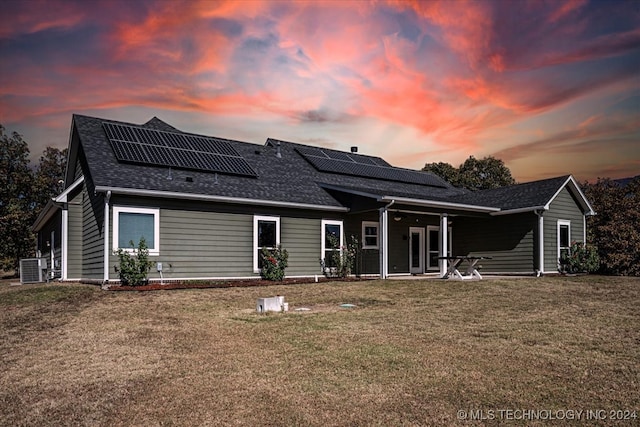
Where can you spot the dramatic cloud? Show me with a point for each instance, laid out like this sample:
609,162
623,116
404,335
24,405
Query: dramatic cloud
535,83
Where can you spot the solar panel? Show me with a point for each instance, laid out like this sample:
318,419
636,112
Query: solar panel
184,151
366,167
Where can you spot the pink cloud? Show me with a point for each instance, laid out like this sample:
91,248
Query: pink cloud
587,136
465,26
447,75
40,15
174,42
565,8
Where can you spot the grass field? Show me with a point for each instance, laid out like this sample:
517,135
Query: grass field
410,353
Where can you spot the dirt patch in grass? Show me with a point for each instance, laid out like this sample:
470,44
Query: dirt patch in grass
408,353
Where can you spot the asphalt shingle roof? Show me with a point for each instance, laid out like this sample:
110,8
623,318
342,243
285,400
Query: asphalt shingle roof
519,196
289,178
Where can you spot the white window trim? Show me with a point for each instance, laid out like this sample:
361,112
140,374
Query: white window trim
155,251
366,224
326,222
428,244
257,218
560,223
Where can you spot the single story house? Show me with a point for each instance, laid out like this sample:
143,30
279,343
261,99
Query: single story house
206,206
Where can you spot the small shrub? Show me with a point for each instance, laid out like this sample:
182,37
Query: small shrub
342,262
580,258
274,262
134,267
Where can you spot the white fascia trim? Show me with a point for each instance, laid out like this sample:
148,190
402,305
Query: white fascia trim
62,197
442,205
576,187
222,199
520,210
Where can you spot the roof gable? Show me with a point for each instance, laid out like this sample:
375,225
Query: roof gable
518,196
157,124
573,187
530,196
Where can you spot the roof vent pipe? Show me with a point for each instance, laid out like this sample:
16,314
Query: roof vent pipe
278,153
354,149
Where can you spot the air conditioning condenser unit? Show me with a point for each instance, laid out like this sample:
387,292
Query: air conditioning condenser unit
32,270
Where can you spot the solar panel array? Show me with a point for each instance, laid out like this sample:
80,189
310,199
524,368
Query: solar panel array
183,151
339,155
366,167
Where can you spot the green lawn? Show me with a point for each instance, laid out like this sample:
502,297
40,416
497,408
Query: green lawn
410,353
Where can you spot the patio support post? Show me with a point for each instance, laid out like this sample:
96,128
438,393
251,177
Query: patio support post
65,242
384,229
106,232
540,242
444,243
384,241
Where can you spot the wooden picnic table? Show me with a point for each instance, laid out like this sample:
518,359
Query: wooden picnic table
471,271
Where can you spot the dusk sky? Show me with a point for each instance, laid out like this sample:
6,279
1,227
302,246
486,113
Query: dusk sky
550,87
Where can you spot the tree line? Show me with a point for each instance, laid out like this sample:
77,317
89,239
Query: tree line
25,191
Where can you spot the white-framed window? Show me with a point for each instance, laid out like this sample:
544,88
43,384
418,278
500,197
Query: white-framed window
266,234
131,224
370,235
564,237
332,241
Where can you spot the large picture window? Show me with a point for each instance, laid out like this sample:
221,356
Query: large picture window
332,241
132,224
266,234
369,235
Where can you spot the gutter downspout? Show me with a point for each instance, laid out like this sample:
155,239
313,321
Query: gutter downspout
107,232
384,235
540,271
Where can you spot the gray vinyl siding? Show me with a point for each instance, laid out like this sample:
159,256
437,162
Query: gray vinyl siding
45,246
399,240
74,244
77,170
398,246
92,234
301,238
509,240
204,244
563,207
369,259
208,240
